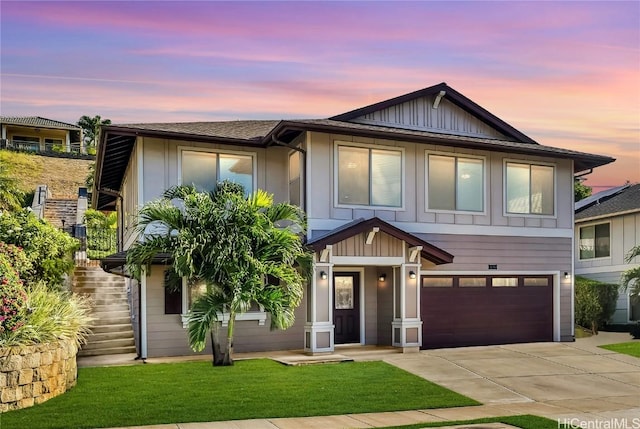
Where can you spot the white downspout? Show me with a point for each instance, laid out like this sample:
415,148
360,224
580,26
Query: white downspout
143,314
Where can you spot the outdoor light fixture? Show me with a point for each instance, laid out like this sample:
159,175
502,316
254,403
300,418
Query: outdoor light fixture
323,275
382,277
412,274
567,276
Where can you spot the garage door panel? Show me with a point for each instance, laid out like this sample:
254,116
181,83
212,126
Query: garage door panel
461,316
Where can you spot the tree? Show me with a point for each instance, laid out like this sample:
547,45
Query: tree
91,128
631,278
10,195
247,250
595,302
580,191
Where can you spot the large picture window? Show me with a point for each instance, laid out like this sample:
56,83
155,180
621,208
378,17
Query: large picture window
369,177
455,183
529,188
595,241
205,169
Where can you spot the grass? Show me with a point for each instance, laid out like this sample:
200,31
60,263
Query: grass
62,175
525,422
196,392
631,348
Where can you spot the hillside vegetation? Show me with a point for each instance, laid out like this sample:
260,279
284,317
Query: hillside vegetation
63,175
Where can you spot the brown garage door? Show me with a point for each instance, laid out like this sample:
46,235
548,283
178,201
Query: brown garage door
481,310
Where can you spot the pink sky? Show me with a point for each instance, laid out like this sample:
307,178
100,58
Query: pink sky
565,73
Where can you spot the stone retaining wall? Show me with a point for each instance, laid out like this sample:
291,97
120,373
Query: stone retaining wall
33,374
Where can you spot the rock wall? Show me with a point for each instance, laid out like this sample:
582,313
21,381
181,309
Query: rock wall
33,374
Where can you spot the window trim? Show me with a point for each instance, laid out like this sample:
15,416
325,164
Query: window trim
300,178
456,155
253,156
505,213
336,182
594,223
259,316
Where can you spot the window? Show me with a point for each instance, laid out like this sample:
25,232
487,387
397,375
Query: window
504,282
472,282
369,177
294,178
437,281
455,183
205,169
529,188
595,241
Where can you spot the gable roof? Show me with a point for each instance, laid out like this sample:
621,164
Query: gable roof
38,121
453,96
117,141
623,199
429,251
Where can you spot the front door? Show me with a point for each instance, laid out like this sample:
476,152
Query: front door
346,307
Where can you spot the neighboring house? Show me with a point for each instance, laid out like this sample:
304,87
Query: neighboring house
434,223
607,227
36,134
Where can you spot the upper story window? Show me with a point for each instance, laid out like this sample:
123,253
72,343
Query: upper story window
205,169
369,176
294,178
529,188
455,183
595,241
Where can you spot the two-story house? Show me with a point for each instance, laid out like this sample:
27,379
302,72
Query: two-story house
434,223
37,134
607,228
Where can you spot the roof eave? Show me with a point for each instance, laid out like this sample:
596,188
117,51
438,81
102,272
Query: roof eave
582,162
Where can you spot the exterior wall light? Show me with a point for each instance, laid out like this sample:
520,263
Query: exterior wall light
567,276
412,274
382,277
323,275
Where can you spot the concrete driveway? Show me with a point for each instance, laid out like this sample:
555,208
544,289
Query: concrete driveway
557,380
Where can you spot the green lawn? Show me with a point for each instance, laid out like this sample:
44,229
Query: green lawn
632,348
196,392
525,422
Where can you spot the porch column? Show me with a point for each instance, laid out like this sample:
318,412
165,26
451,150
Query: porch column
318,331
406,325
68,141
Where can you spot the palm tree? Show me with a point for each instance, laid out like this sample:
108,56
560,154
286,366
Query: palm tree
631,277
91,128
10,194
246,249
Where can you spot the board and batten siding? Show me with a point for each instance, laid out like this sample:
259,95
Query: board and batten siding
419,114
129,202
161,166
321,187
167,337
625,234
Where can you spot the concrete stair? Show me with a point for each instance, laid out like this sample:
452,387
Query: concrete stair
112,331
58,210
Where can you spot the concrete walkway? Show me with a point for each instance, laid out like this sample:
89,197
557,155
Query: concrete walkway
573,383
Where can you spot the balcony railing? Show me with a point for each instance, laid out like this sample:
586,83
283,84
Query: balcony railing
45,148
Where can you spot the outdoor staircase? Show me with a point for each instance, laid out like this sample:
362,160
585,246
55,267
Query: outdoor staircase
61,212
112,331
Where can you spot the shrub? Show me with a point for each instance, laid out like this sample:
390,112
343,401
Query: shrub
49,250
595,302
13,299
53,315
16,257
634,330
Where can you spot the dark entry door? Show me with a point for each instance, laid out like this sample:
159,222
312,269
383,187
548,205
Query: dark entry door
346,308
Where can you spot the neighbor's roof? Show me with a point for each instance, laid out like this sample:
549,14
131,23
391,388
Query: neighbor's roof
623,199
37,121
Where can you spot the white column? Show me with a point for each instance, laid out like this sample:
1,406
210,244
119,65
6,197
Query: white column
68,141
406,325
319,329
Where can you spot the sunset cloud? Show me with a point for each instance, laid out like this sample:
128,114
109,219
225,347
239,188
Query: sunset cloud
565,73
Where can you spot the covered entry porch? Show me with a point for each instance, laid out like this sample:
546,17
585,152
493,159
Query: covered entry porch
365,287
